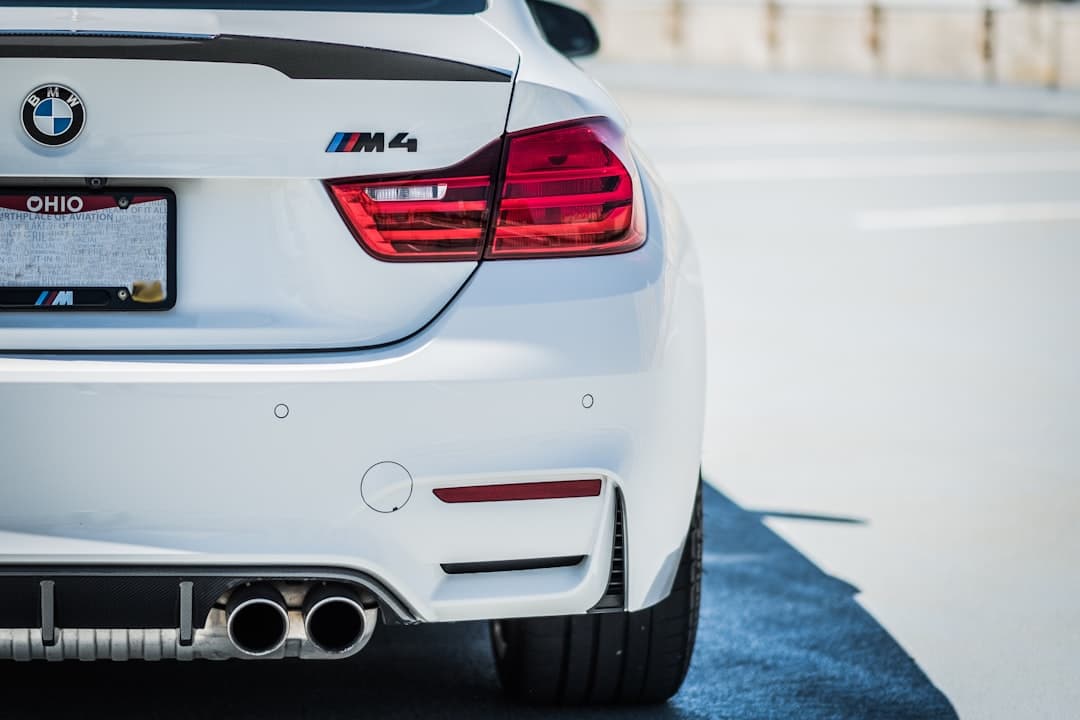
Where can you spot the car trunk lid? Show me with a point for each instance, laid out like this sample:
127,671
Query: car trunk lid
244,124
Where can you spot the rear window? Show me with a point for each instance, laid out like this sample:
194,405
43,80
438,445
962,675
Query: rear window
433,7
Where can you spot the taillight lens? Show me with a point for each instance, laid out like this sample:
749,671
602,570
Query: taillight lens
567,191
433,216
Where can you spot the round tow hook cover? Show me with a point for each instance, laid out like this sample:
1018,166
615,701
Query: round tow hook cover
386,487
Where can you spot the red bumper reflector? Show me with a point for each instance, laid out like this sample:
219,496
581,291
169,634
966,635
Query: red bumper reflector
520,491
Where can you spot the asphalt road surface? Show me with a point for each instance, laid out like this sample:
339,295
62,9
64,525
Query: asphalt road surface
894,405
894,310
779,638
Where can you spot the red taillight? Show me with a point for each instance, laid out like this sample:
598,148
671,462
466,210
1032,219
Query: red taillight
434,216
566,192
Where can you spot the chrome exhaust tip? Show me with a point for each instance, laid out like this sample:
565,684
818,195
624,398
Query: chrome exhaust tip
335,620
257,620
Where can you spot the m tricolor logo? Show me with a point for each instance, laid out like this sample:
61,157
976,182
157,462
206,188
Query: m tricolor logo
56,298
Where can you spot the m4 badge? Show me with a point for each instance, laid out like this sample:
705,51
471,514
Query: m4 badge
372,142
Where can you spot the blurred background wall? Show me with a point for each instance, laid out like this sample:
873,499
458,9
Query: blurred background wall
991,41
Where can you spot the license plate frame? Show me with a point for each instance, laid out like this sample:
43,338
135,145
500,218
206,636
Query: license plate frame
80,295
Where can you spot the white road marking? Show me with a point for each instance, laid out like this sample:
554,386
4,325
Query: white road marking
714,135
711,136
966,215
856,167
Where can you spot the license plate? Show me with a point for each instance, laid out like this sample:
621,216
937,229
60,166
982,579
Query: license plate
87,250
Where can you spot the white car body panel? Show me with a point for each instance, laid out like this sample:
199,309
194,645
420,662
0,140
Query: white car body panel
464,38
267,262
481,379
290,276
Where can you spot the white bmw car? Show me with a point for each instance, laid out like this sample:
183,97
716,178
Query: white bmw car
317,315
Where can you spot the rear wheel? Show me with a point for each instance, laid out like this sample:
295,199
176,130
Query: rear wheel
640,657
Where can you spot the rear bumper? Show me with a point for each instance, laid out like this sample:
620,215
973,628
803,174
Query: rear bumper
184,461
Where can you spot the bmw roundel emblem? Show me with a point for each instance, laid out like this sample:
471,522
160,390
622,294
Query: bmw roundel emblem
53,115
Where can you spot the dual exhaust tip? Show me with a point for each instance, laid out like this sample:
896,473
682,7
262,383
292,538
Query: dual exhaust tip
258,620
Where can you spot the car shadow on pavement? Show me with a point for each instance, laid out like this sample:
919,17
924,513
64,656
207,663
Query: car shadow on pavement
778,639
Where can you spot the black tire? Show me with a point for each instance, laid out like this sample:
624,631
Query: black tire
617,658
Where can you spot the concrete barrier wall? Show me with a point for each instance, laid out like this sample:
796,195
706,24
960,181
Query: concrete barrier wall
1069,48
730,34
640,29
934,44
1027,46
828,39
1001,41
